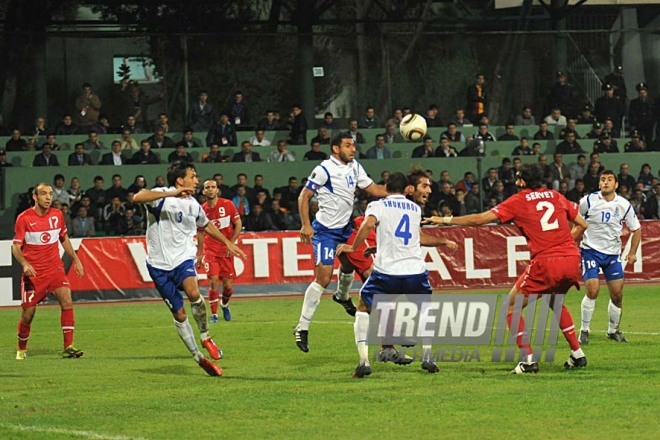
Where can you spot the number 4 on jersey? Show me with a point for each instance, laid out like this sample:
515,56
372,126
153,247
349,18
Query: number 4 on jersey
403,229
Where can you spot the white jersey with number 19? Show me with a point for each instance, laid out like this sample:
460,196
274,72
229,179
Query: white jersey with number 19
605,220
397,235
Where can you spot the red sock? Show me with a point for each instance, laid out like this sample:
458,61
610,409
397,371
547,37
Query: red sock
67,321
568,329
213,300
23,334
227,292
525,348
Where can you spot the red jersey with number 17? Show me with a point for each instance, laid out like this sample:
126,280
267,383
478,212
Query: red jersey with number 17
223,216
39,236
543,217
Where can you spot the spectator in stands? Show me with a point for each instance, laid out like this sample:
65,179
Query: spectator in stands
472,204
445,149
259,186
609,106
489,180
459,119
536,148
624,177
289,195
571,125
596,131
259,220
484,134
160,182
116,189
543,133
113,212
525,118
651,208
606,145
282,154
426,149
322,136
237,110
506,173
569,145
547,176
201,113
466,183
129,224
496,192
579,169
59,192
115,157
637,200
133,125
563,188
432,117
329,122
477,100
40,128
241,180
93,143
360,208
163,122
137,103
269,123
576,194
3,160
315,153
127,141
592,178
586,117
595,158
246,154
188,141
88,106
144,156
561,96
83,225
298,126
103,125
509,134
555,118
46,158
641,115
214,155
453,134
97,197
79,157
179,154
558,170
282,218
16,143
523,149
379,150
646,176
609,128
392,134
358,138
66,127
615,78
259,139
222,133
242,202
51,141
159,140
636,144
369,119
139,183
395,119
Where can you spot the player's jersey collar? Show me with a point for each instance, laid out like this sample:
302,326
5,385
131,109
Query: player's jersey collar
339,162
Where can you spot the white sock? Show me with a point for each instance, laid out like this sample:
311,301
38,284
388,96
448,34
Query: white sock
185,331
426,353
344,286
577,354
588,306
615,317
361,328
199,313
310,303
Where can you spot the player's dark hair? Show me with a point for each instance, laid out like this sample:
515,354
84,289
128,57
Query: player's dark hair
337,139
178,169
415,175
396,183
532,174
610,173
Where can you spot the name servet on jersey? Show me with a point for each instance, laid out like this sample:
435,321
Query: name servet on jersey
39,237
543,217
223,216
334,184
397,234
605,220
172,225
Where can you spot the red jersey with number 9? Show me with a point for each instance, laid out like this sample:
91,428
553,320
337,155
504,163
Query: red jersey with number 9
39,237
223,215
543,217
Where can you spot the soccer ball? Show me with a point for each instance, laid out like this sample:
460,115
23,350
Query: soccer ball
413,127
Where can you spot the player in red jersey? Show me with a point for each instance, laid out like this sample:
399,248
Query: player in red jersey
218,263
543,217
36,234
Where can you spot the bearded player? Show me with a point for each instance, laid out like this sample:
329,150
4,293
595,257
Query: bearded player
218,263
36,234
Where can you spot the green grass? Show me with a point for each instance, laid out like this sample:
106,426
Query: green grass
137,380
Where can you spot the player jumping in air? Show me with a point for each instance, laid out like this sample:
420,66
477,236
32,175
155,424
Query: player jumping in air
37,233
605,213
218,263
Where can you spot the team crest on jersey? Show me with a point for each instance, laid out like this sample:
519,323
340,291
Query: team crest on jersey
190,213
45,237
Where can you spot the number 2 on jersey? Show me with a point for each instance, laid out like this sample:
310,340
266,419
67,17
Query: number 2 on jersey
549,209
403,229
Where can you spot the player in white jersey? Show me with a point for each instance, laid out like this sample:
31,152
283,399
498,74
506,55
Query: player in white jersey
605,212
333,182
174,216
399,267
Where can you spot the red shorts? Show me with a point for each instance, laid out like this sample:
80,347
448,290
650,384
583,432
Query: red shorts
34,289
551,275
219,266
360,263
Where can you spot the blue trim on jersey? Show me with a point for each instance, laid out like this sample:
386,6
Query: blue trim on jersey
169,283
382,284
626,214
157,210
326,240
593,260
328,182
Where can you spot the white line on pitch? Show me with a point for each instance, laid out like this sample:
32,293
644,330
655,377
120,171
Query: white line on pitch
70,432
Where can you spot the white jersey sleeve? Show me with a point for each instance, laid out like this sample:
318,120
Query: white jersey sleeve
317,179
363,179
605,220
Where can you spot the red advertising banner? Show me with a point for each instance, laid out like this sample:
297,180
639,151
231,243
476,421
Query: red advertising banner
489,256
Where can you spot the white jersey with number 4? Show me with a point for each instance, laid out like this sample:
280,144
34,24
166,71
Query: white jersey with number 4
172,225
397,235
334,183
605,220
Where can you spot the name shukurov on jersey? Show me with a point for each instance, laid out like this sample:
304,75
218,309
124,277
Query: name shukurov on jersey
605,220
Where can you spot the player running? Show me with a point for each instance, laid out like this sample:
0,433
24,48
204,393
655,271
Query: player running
605,212
399,267
218,263
333,182
37,232
174,216
543,217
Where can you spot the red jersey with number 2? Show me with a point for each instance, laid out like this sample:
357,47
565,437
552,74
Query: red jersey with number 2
39,237
223,216
543,217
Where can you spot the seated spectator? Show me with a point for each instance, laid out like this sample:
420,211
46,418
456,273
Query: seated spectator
426,149
432,117
259,139
445,149
115,157
646,177
578,191
606,145
586,116
289,194
282,218
259,220
569,145
322,136
555,117
571,125
651,208
132,125
188,141
3,160
636,144
242,202
127,141
509,134
222,133
525,118
488,182
59,192
16,143
395,119
139,183
506,173
329,122
39,128
355,134
624,177
159,140
163,122
51,141
496,192
116,189
269,123
259,186
129,224
45,158
360,208
297,126
392,134
379,151
592,178
113,212
246,154
609,128
453,134
472,204
523,149
83,225
160,182
282,154
315,153
201,113
369,119
79,157
558,170
543,133
66,127
103,125
466,183
237,111
214,155
484,134
144,156
579,169
241,180
596,131
459,119
179,154
536,149
93,143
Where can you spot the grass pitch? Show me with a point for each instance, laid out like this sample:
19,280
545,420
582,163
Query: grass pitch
136,380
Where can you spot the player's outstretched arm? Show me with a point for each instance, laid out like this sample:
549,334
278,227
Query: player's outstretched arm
68,248
634,245
232,248
18,254
367,225
478,219
306,231
435,241
147,195
377,190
